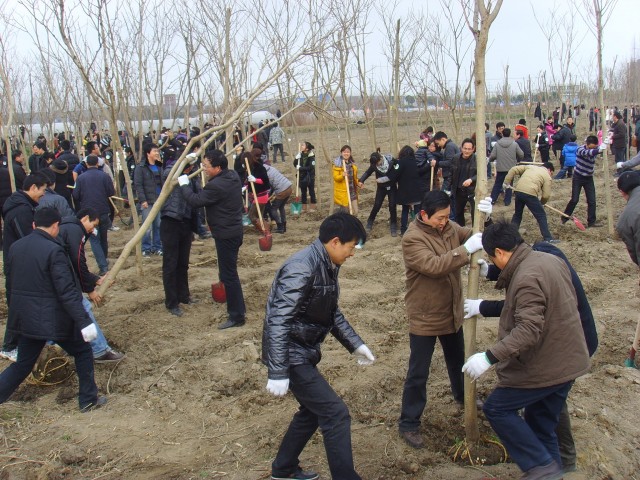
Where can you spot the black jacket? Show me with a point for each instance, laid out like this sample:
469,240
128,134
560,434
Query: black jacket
71,158
176,206
525,146
146,183
302,308
423,159
493,308
405,173
222,199
17,214
45,298
74,236
93,189
449,151
561,138
307,167
619,138
381,172
472,173
5,180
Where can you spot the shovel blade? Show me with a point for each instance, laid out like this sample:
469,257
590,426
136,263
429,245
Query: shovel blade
265,242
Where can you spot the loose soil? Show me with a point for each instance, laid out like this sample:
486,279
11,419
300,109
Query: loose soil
189,402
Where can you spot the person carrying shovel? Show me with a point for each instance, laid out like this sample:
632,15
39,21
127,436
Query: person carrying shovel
222,199
305,163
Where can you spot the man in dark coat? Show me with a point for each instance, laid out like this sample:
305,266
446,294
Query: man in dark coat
18,213
463,180
302,309
524,145
222,199
46,304
619,138
35,160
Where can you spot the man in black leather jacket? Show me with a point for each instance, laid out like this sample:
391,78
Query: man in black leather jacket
302,309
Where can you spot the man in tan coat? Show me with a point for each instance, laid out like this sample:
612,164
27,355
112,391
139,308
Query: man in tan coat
533,190
541,350
434,251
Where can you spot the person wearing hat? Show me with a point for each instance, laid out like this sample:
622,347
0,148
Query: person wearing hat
51,198
179,221
628,227
63,180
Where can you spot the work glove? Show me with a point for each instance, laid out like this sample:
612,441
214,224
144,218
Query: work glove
183,180
477,364
244,189
472,307
485,206
382,179
90,333
298,156
619,165
474,243
298,167
364,355
251,178
602,147
278,388
484,267
506,186
192,157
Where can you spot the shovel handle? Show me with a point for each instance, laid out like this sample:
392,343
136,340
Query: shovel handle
557,211
255,196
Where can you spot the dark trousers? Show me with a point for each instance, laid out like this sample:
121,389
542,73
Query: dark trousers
531,441
276,208
404,216
620,154
28,352
176,240
382,193
414,395
544,154
577,184
308,187
462,198
497,188
566,445
278,147
535,206
227,250
320,407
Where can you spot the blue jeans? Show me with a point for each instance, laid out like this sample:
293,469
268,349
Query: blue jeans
497,188
414,395
533,203
531,441
100,244
564,171
28,352
320,406
227,250
99,345
150,244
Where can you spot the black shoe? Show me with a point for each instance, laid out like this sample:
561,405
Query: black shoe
177,311
297,475
230,324
413,439
564,220
279,229
595,225
100,401
284,227
191,301
110,356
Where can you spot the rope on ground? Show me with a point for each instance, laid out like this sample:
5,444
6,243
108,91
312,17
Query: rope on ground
46,371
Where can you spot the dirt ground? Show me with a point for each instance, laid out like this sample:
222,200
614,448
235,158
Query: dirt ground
189,401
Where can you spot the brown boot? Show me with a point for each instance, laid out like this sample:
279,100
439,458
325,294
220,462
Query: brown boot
312,207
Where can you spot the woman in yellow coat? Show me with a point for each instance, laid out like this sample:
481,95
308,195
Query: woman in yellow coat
345,170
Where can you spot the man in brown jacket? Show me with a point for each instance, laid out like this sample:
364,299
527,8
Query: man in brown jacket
434,251
540,351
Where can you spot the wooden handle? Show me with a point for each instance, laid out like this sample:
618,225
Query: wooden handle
557,211
255,196
346,182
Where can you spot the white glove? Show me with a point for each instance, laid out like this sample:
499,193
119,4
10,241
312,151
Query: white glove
90,333
244,189
364,355
506,186
192,157
382,179
472,307
278,388
619,165
477,364
485,206
298,167
183,180
251,178
298,156
484,267
474,243
602,147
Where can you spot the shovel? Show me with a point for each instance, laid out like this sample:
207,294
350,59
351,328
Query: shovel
266,240
218,293
573,218
346,182
246,221
296,206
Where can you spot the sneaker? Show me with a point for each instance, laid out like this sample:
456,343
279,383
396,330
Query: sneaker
100,401
158,252
550,471
146,254
595,225
297,475
11,355
552,240
205,236
413,439
231,324
110,356
113,228
177,311
191,301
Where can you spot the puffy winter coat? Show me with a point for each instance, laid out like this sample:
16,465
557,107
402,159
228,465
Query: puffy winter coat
146,183
17,214
74,236
433,260
302,308
45,301
52,199
340,184
176,206
569,152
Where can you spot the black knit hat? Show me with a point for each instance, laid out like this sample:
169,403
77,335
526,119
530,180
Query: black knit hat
59,166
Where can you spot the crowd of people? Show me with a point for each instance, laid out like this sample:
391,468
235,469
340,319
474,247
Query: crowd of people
546,332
